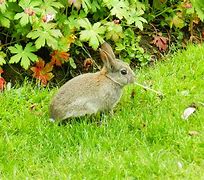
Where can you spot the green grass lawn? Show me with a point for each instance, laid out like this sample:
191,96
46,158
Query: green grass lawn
145,139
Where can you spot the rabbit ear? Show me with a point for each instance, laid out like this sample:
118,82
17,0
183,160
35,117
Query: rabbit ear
106,47
107,59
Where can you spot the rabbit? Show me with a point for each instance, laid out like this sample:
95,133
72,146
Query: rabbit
91,93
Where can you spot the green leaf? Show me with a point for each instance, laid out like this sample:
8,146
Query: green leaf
139,25
18,48
45,34
40,42
94,41
2,56
55,33
32,56
91,33
13,49
5,22
31,8
113,31
15,59
85,23
199,7
25,61
120,9
57,5
92,37
72,63
3,6
177,22
24,3
52,42
135,17
30,48
35,3
119,47
33,34
24,56
24,20
50,6
19,15
86,4
84,35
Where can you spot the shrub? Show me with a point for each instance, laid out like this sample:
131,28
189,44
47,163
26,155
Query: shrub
63,28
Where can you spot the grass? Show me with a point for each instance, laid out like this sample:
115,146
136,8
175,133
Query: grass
145,139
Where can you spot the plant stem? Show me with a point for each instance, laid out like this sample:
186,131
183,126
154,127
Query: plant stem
148,88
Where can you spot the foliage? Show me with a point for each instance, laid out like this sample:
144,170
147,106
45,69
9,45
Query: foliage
44,34
91,33
160,42
177,14
25,56
66,28
129,48
42,71
199,8
58,58
2,57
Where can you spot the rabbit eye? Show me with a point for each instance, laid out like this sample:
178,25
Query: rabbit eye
123,71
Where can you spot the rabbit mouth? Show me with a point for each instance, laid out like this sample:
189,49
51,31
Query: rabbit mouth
132,80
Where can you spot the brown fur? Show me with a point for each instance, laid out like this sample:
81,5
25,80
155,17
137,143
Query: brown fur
92,92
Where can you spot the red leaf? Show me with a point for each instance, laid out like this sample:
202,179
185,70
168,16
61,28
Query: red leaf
2,83
203,34
2,80
58,58
1,71
160,42
42,71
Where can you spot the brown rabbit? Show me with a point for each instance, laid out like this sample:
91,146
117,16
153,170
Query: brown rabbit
93,92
